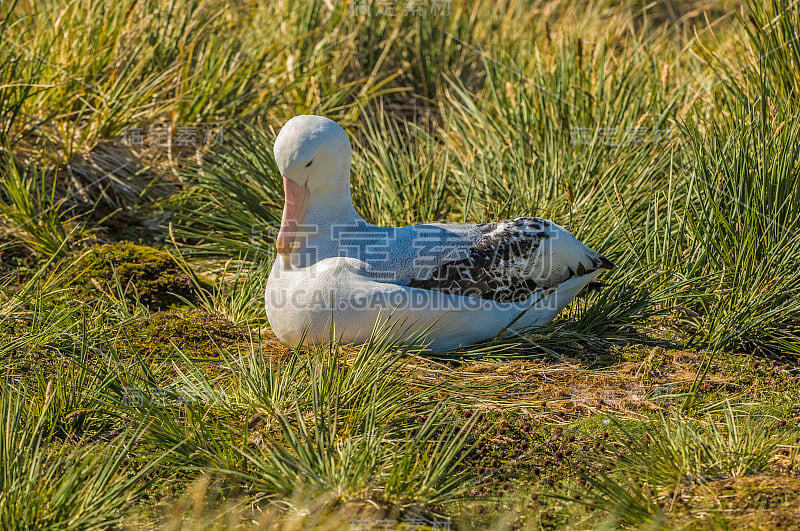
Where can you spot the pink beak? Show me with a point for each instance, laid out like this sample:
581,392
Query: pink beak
293,212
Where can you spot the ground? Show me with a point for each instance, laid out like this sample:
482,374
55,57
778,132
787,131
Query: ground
141,385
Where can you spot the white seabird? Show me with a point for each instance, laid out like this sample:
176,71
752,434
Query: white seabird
460,284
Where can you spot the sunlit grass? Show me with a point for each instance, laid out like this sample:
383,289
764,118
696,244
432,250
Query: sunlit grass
664,134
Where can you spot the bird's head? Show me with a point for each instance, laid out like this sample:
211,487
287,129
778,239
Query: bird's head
313,155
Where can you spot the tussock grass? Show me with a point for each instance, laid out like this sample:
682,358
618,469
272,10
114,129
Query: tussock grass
674,456
663,134
47,485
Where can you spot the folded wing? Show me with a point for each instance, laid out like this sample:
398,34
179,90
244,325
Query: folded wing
507,261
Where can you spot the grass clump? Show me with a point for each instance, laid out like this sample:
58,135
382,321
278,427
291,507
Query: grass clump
330,425
647,475
45,484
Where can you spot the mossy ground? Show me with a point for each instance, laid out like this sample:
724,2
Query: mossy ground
486,110
137,272
193,332
546,427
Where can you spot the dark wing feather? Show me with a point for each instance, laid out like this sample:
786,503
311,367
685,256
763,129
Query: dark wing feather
507,262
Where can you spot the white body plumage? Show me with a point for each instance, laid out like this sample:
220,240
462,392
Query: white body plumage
460,284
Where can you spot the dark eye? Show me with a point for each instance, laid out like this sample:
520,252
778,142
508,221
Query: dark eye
309,163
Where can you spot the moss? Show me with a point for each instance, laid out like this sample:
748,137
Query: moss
145,273
195,333
516,448
524,461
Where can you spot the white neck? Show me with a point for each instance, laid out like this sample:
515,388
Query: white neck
327,207
330,206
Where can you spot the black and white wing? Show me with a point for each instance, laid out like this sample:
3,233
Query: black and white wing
507,261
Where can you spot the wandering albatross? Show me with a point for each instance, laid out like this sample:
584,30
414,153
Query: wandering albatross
460,284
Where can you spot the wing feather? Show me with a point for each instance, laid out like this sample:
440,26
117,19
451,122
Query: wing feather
509,260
